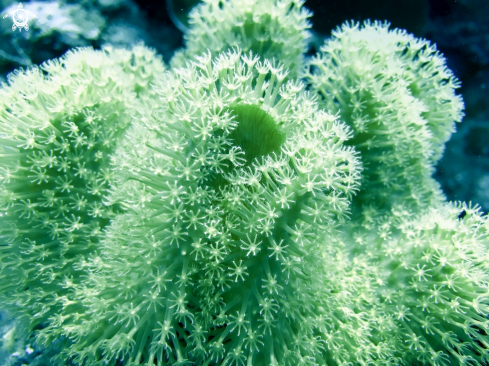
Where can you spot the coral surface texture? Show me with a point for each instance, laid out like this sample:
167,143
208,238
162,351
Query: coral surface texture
248,205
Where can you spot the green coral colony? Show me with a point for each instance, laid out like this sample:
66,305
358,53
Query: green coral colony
246,207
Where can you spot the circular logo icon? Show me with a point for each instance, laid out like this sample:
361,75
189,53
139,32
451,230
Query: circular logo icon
20,16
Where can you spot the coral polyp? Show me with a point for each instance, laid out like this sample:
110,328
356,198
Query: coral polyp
431,271
221,213
269,28
226,182
58,126
381,81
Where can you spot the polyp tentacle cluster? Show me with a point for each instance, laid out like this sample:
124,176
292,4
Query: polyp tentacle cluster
432,277
382,83
205,220
269,28
225,236
58,126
